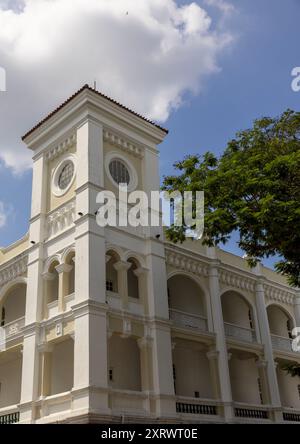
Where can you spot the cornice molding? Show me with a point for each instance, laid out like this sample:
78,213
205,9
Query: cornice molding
235,280
186,263
278,295
14,268
61,148
123,143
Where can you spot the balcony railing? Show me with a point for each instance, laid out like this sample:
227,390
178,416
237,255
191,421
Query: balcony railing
188,320
291,416
9,415
11,331
282,343
192,406
240,333
246,411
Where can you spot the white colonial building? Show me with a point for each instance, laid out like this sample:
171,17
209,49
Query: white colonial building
118,325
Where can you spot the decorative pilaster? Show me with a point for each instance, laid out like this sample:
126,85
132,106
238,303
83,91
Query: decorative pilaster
34,295
90,393
297,308
218,322
262,366
267,342
213,357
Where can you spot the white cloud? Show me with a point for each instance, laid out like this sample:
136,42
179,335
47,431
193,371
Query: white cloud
3,217
223,5
147,54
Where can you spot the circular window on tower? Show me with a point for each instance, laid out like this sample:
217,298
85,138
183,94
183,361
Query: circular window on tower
63,176
120,171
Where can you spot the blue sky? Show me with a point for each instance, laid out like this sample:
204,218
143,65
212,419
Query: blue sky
254,80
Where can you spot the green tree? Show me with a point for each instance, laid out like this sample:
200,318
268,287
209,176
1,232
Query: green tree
252,188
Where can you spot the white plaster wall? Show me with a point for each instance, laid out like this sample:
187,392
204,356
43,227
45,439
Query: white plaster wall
62,367
10,379
288,388
243,376
186,295
124,359
192,372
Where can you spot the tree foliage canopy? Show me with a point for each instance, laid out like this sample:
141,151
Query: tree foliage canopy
252,188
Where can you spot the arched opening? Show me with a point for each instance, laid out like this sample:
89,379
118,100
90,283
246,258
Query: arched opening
191,370
238,317
52,283
289,387
186,302
124,371
280,323
246,378
10,378
281,326
70,260
57,367
111,273
13,305
62,367
132,279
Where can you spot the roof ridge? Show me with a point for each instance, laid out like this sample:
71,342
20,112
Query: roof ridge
86,86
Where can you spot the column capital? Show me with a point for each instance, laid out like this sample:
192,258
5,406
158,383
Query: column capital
297,296
144,342
212,355
45,347
141,271
261,363
213,269
260,280
63,268
122,266
48,276
107,258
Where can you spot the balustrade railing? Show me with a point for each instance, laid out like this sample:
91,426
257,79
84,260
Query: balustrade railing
11,330
291,416
282,343
191,406
241,333
188,320
11,416
251,412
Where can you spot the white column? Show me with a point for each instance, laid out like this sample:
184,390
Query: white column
262,366
162,363
213,357
90,392
297,308
145,345
267,342
221,347
122,267
34,294
63,271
